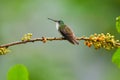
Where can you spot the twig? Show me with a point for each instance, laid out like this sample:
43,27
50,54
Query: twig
43,39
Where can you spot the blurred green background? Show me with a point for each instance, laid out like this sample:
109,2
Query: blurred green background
58,60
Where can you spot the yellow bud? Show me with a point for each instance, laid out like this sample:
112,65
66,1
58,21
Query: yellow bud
4,51
26,37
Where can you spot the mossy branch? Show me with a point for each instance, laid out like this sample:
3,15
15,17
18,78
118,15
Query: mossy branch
106,41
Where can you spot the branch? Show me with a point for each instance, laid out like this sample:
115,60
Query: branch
43,39
106,41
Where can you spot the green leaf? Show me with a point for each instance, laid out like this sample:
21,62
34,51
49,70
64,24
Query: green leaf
18,72
116,58
118,23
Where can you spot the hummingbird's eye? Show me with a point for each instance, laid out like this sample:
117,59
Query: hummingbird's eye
58,21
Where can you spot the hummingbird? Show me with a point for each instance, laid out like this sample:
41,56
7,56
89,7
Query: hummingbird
65,31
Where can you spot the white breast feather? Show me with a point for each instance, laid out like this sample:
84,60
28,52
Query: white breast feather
57,26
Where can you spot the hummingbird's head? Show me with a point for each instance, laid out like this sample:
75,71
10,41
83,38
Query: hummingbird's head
58,22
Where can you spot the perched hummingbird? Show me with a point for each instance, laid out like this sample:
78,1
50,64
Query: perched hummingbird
65,31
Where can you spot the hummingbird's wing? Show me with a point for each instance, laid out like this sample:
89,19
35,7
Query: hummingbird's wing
68,34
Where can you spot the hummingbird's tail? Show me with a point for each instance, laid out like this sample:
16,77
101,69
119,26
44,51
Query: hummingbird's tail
76,42
73,41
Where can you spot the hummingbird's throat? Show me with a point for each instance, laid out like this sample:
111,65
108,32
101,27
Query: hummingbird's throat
57,25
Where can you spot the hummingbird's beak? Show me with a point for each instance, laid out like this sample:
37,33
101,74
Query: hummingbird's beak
53,20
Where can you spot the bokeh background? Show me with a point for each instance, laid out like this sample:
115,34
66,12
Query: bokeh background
58,60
